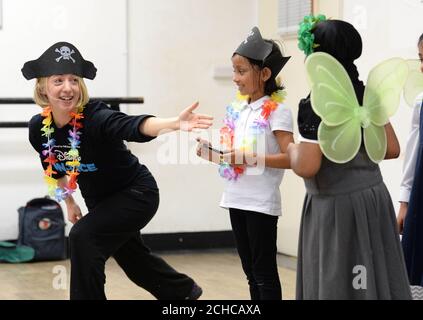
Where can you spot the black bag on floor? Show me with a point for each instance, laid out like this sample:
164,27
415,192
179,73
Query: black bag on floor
42,227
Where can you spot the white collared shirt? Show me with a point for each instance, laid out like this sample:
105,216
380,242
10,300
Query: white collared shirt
257,189
411,152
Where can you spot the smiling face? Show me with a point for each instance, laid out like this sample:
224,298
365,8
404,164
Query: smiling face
248,78
63,93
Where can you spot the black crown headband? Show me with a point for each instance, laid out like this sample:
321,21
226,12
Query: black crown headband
256,48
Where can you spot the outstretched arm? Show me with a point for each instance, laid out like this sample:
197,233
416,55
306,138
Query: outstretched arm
186,121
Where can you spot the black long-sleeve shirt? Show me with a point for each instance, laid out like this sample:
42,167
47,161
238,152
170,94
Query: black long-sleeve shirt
107,165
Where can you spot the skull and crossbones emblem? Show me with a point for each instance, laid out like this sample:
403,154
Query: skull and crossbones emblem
65,54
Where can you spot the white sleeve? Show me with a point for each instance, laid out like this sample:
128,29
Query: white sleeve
281,119
411,151
302,139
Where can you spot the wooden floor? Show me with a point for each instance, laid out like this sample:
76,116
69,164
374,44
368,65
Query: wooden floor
218,272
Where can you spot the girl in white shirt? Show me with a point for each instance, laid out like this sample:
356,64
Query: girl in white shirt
410,216
257,131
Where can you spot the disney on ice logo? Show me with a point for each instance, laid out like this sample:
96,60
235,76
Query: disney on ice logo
64,156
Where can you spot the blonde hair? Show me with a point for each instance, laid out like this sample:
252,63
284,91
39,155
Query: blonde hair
41,99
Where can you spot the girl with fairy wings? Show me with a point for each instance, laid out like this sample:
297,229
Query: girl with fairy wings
349,245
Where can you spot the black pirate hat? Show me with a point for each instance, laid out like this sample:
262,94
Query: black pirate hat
60,58
256,48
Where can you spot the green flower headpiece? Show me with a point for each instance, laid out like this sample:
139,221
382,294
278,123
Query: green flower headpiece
305,36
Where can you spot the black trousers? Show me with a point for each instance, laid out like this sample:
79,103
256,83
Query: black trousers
255,237
112,228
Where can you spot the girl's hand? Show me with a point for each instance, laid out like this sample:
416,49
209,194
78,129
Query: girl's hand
74,212
203,150
401,216
238,157
188,120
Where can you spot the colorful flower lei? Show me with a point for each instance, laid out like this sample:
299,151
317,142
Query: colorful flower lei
232,172
305,36
74,140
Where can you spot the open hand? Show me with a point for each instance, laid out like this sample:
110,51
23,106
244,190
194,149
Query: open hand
189,120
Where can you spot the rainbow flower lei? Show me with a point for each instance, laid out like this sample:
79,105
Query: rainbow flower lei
74,140
232,172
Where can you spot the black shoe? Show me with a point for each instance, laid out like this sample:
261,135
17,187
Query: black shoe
195,293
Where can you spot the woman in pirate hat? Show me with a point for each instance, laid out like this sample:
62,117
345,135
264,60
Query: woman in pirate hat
258,128
80,143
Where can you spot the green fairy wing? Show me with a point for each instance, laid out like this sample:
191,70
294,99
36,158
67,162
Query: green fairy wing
375,142
383,89
414,84
333,99
340,143
381,100
332,94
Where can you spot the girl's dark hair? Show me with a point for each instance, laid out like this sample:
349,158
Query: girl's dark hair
420,39
342,41
272,61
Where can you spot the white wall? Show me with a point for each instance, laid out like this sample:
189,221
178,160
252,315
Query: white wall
98,29
389,28
174,47
169,48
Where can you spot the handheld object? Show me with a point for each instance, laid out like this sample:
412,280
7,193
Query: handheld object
215,150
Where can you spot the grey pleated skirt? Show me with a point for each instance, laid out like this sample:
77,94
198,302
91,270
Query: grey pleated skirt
349,246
